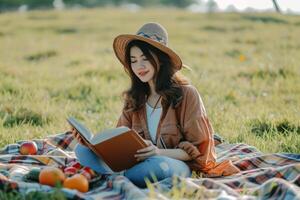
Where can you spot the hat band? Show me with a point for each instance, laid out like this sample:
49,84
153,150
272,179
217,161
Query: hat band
153,37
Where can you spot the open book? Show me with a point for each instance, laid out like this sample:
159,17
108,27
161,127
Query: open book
116,146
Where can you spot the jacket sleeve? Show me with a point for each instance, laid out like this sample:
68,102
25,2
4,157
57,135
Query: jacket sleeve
125,119
199,142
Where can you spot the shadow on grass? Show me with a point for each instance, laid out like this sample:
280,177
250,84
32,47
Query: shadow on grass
41,55
263,128
79,92
264,19
42,17
234,53
66,30
9,88
221,29
266,73
22,116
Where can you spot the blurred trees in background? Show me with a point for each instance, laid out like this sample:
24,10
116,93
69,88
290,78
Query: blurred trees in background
36,4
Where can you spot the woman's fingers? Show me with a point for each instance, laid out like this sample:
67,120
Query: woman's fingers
149,148
78,137
148,142
144,156
74,132
145,153
81,141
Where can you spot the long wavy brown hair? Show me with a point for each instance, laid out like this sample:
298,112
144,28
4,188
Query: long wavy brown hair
167,80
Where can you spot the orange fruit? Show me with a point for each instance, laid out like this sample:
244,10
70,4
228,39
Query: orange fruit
78,182
51,176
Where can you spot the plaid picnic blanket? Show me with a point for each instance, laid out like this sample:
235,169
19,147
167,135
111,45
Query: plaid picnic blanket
262,176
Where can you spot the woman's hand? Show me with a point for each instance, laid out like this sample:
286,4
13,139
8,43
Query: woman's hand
147,152
78,137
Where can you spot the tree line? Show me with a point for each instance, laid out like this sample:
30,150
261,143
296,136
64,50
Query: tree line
37,4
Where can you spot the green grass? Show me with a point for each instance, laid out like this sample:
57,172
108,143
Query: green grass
55,64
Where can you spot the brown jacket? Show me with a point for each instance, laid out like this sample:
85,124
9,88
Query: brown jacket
195,137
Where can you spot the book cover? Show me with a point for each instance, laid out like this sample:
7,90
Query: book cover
116,146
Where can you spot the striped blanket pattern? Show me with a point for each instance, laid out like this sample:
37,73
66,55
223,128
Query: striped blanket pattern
262,176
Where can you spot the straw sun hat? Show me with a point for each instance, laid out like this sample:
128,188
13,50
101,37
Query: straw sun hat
151,33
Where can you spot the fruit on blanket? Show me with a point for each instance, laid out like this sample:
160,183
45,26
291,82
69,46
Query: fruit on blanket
28,148
76,164
87,175
78,182
33,175
70,171
51,176
90,171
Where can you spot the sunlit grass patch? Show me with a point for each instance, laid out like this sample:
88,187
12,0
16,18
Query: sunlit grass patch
231,97
291,145
290,46
241,28
36,16
78,92
98,105
92,73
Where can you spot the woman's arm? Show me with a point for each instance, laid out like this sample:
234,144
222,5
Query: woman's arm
178,154
152,150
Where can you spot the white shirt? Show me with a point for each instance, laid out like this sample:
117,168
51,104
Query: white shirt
153,120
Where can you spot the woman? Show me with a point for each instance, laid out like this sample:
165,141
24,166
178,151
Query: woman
164,109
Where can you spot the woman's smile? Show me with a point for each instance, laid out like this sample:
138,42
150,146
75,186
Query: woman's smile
143,73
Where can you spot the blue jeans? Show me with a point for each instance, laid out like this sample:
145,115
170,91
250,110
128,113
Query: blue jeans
160,166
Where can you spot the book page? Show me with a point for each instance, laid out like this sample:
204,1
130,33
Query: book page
81,129
107,134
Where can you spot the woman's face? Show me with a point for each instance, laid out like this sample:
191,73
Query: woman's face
140,65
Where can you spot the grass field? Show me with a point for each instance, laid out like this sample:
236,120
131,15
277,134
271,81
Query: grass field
55,64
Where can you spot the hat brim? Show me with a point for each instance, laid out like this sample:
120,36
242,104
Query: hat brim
120,43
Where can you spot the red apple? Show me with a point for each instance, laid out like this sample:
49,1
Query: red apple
76,164
70,171
28,148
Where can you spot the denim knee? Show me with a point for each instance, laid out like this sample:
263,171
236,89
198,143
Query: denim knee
86,157
171,166
156,168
